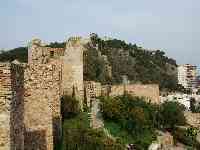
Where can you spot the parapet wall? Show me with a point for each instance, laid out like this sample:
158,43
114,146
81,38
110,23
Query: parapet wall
11,107
42,105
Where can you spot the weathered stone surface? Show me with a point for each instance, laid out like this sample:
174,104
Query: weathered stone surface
11,107
73,68
193,119
92,90
42,105
30,94
149,91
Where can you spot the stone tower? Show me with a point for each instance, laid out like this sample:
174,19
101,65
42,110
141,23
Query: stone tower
37,52
11,107
73,68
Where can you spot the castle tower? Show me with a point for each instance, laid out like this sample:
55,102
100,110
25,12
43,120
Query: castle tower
11,107
73,68
37,52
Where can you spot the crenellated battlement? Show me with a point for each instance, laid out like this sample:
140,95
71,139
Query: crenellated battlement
74,38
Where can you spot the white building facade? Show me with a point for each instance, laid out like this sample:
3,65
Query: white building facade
187,76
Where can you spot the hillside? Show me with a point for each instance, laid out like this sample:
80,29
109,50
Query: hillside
107,61
20,53
137,64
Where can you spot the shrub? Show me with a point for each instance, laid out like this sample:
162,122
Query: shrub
171,114
78,136
69,107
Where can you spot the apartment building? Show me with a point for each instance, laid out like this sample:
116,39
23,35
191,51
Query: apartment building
187,76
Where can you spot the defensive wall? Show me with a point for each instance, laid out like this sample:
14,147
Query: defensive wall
11,107
42,105
149,91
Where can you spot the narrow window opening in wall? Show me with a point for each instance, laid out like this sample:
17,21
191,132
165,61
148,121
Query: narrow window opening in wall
51,54
60,76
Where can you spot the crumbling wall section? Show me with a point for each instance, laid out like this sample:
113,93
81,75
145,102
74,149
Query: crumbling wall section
11,106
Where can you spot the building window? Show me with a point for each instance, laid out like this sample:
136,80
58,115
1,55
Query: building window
51,54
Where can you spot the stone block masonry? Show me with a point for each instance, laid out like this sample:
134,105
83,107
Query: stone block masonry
92,90
73,68
11,107
30,117
42,105
149,91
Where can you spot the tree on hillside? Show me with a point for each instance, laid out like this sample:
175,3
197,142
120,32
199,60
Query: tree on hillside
20,53
171,114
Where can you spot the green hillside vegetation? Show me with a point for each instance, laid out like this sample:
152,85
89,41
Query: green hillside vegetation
56,45
127,59
135,121
20,53
127,120
77,134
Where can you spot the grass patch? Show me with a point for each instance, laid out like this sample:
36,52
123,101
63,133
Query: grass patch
81,120
116,131
77,135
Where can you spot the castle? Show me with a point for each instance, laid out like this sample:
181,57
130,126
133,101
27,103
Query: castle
30,115
30,94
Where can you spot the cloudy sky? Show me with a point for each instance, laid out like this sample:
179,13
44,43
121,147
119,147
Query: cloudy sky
169,25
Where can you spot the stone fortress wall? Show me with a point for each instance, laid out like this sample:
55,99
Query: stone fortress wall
149,91
42,105
92,90
11,107
30,116
73,68
38,53
50,73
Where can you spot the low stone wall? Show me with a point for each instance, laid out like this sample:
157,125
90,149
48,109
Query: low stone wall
11,107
